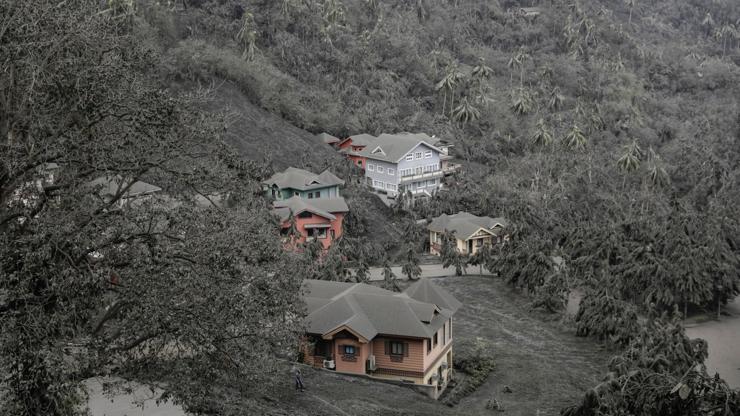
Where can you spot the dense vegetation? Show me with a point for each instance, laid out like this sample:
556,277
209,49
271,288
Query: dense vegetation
605,132
176,291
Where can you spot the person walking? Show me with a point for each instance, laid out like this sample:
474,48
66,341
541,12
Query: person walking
298,378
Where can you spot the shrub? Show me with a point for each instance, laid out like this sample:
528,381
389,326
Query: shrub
475,359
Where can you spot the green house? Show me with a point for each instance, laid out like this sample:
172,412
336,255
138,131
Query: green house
303,184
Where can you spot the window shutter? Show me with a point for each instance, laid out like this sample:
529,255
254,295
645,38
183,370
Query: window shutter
387,348
405,349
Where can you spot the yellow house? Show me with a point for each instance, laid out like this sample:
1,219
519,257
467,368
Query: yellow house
471,232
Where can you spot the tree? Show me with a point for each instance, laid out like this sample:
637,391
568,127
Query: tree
521,101
656,172
465,112
482,257
542,135
660,372
518,61
389,278
575,139
451,256
480,75
555,102
411,261
292,233
168,273
448,84
727,32
631,4
248,36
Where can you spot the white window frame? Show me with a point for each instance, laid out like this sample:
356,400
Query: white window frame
370,167
380,169
409,157
378,184
428,154
431,183
391,171
418,155
422,184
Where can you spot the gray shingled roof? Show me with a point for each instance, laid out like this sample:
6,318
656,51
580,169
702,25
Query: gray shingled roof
426,291
111,185
463,224
303,180
328,138
362,139
368,310
393,147
324,207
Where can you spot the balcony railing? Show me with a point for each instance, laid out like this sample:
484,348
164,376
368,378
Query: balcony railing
420,176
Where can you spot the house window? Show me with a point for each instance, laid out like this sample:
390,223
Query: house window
430,183
428,154
409,157
310,195
390,187
296,194
319,233
348,349
391,171
371,167
305,214
397,348
317,194
429,345
407,172
381,169
379,184
417,155
435,339
422,184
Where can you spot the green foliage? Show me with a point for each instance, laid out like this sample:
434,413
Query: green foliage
475,359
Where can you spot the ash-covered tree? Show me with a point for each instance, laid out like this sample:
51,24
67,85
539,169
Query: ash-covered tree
390,282
482,257
661,372
410,262
183,288
451,256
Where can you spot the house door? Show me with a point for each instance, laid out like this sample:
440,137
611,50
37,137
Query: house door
470,246
418,170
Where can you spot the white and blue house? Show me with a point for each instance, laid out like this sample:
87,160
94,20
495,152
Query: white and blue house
403,162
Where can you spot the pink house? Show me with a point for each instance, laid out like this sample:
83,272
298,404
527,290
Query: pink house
315,219
361,329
